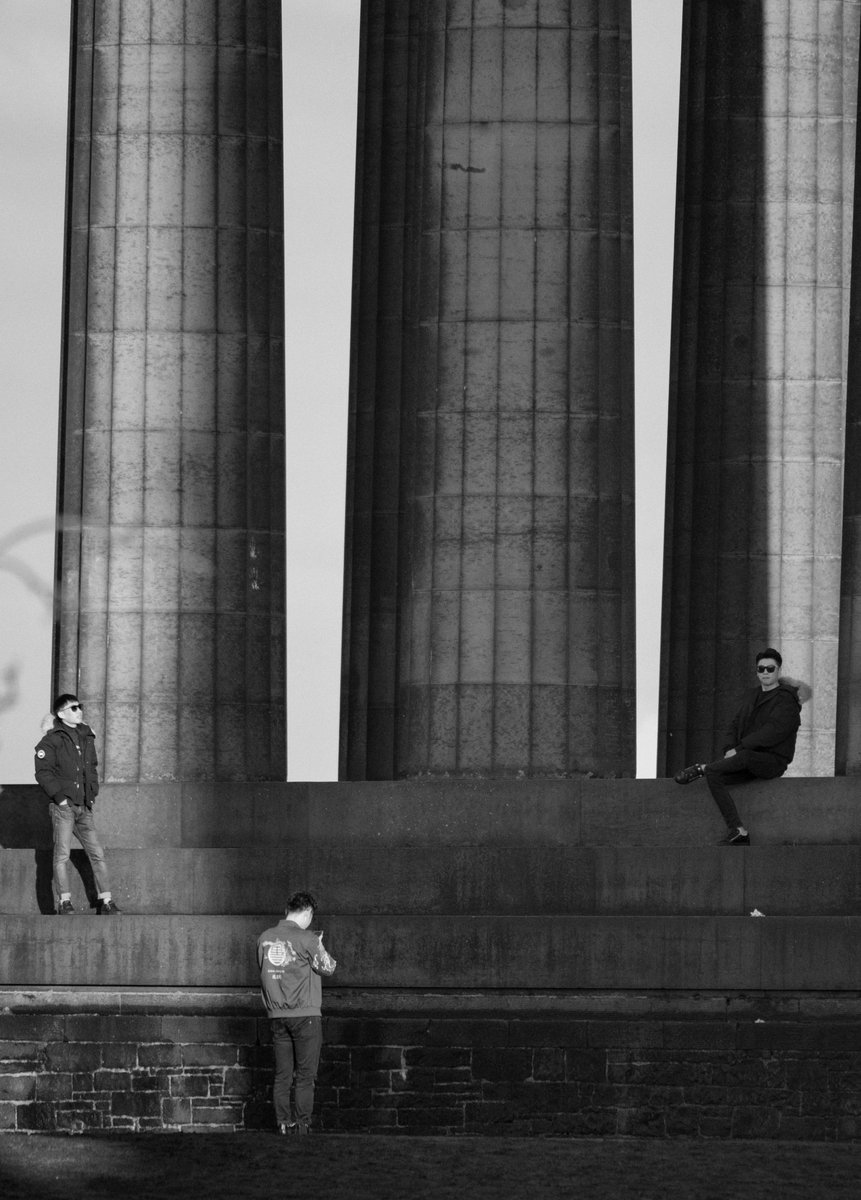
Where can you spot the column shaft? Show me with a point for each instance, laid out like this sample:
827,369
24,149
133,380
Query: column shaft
497,460
171,493
380,365
759,365
848,755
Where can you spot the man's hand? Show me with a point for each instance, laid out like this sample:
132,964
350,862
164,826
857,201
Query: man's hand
729,754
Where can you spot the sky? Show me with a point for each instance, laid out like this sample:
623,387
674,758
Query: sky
320,72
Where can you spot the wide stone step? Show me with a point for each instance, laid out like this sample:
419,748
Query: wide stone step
699,953
459,880
585,812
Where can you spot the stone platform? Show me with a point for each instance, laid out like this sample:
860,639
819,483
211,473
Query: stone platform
550,906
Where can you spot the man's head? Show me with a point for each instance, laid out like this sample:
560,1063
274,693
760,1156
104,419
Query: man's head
300,909
68,708
768,664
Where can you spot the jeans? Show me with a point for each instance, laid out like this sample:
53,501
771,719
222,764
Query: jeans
67,820
746,765
297,1042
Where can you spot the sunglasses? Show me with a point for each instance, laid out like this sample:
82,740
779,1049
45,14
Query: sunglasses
74,707
765,670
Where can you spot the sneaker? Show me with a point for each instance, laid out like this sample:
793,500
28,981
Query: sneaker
690,774
107,908
735,837
301,1127
66,907
286,1127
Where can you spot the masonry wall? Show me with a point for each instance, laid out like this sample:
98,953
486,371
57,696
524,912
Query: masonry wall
733,1067
563,957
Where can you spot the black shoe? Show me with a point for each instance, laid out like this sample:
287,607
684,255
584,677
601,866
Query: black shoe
301,1127
735,837
66,907
689,774
108,909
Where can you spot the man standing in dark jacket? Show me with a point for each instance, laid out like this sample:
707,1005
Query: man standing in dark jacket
760,742
67,771
291,958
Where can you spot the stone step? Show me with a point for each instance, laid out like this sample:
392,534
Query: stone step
482,812
688,953
457,880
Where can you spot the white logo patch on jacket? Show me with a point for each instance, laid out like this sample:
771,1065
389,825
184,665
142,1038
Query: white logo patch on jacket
280,953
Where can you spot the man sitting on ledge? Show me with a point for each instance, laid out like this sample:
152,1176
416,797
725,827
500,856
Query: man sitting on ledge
760,742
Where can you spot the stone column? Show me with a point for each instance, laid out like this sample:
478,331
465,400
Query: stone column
170,621
385,231
848,756
754,489
489,616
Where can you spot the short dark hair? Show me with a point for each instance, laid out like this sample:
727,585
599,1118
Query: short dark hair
299,901
770,652
62,700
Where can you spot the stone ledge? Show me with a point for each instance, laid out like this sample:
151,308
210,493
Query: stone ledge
449,880
339,1001
479,812
570,953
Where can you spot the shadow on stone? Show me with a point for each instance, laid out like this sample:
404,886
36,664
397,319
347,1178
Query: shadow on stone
45,897
81,864
44,881
25,824
24,819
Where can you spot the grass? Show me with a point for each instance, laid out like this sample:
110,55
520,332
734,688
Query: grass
257,1166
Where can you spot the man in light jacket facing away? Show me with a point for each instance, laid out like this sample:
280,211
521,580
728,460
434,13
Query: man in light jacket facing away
291,958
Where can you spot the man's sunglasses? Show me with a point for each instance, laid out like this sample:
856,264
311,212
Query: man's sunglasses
74,707
765,670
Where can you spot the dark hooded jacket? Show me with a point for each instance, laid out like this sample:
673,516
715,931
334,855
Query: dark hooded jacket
767,721
66,765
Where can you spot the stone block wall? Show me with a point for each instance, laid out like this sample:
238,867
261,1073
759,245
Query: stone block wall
97,1071
791,1074
593,1077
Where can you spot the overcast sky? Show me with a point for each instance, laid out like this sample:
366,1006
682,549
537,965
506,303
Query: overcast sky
320,44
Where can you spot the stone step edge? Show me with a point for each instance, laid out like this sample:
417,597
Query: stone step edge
788,954
594,1004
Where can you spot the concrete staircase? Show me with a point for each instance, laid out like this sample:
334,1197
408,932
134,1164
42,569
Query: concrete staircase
558,885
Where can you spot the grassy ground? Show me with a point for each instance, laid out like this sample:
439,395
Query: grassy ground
338,1167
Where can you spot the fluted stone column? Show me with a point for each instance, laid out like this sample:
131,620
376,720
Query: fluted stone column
171,495
489,600
848,756
759,365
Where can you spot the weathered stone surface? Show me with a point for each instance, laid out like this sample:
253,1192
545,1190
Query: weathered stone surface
848,757
472,879
442,816
543,1074
759,369
171,561
489,588
408,951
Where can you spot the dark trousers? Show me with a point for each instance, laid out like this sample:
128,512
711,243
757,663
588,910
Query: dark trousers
739,767
297,1042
